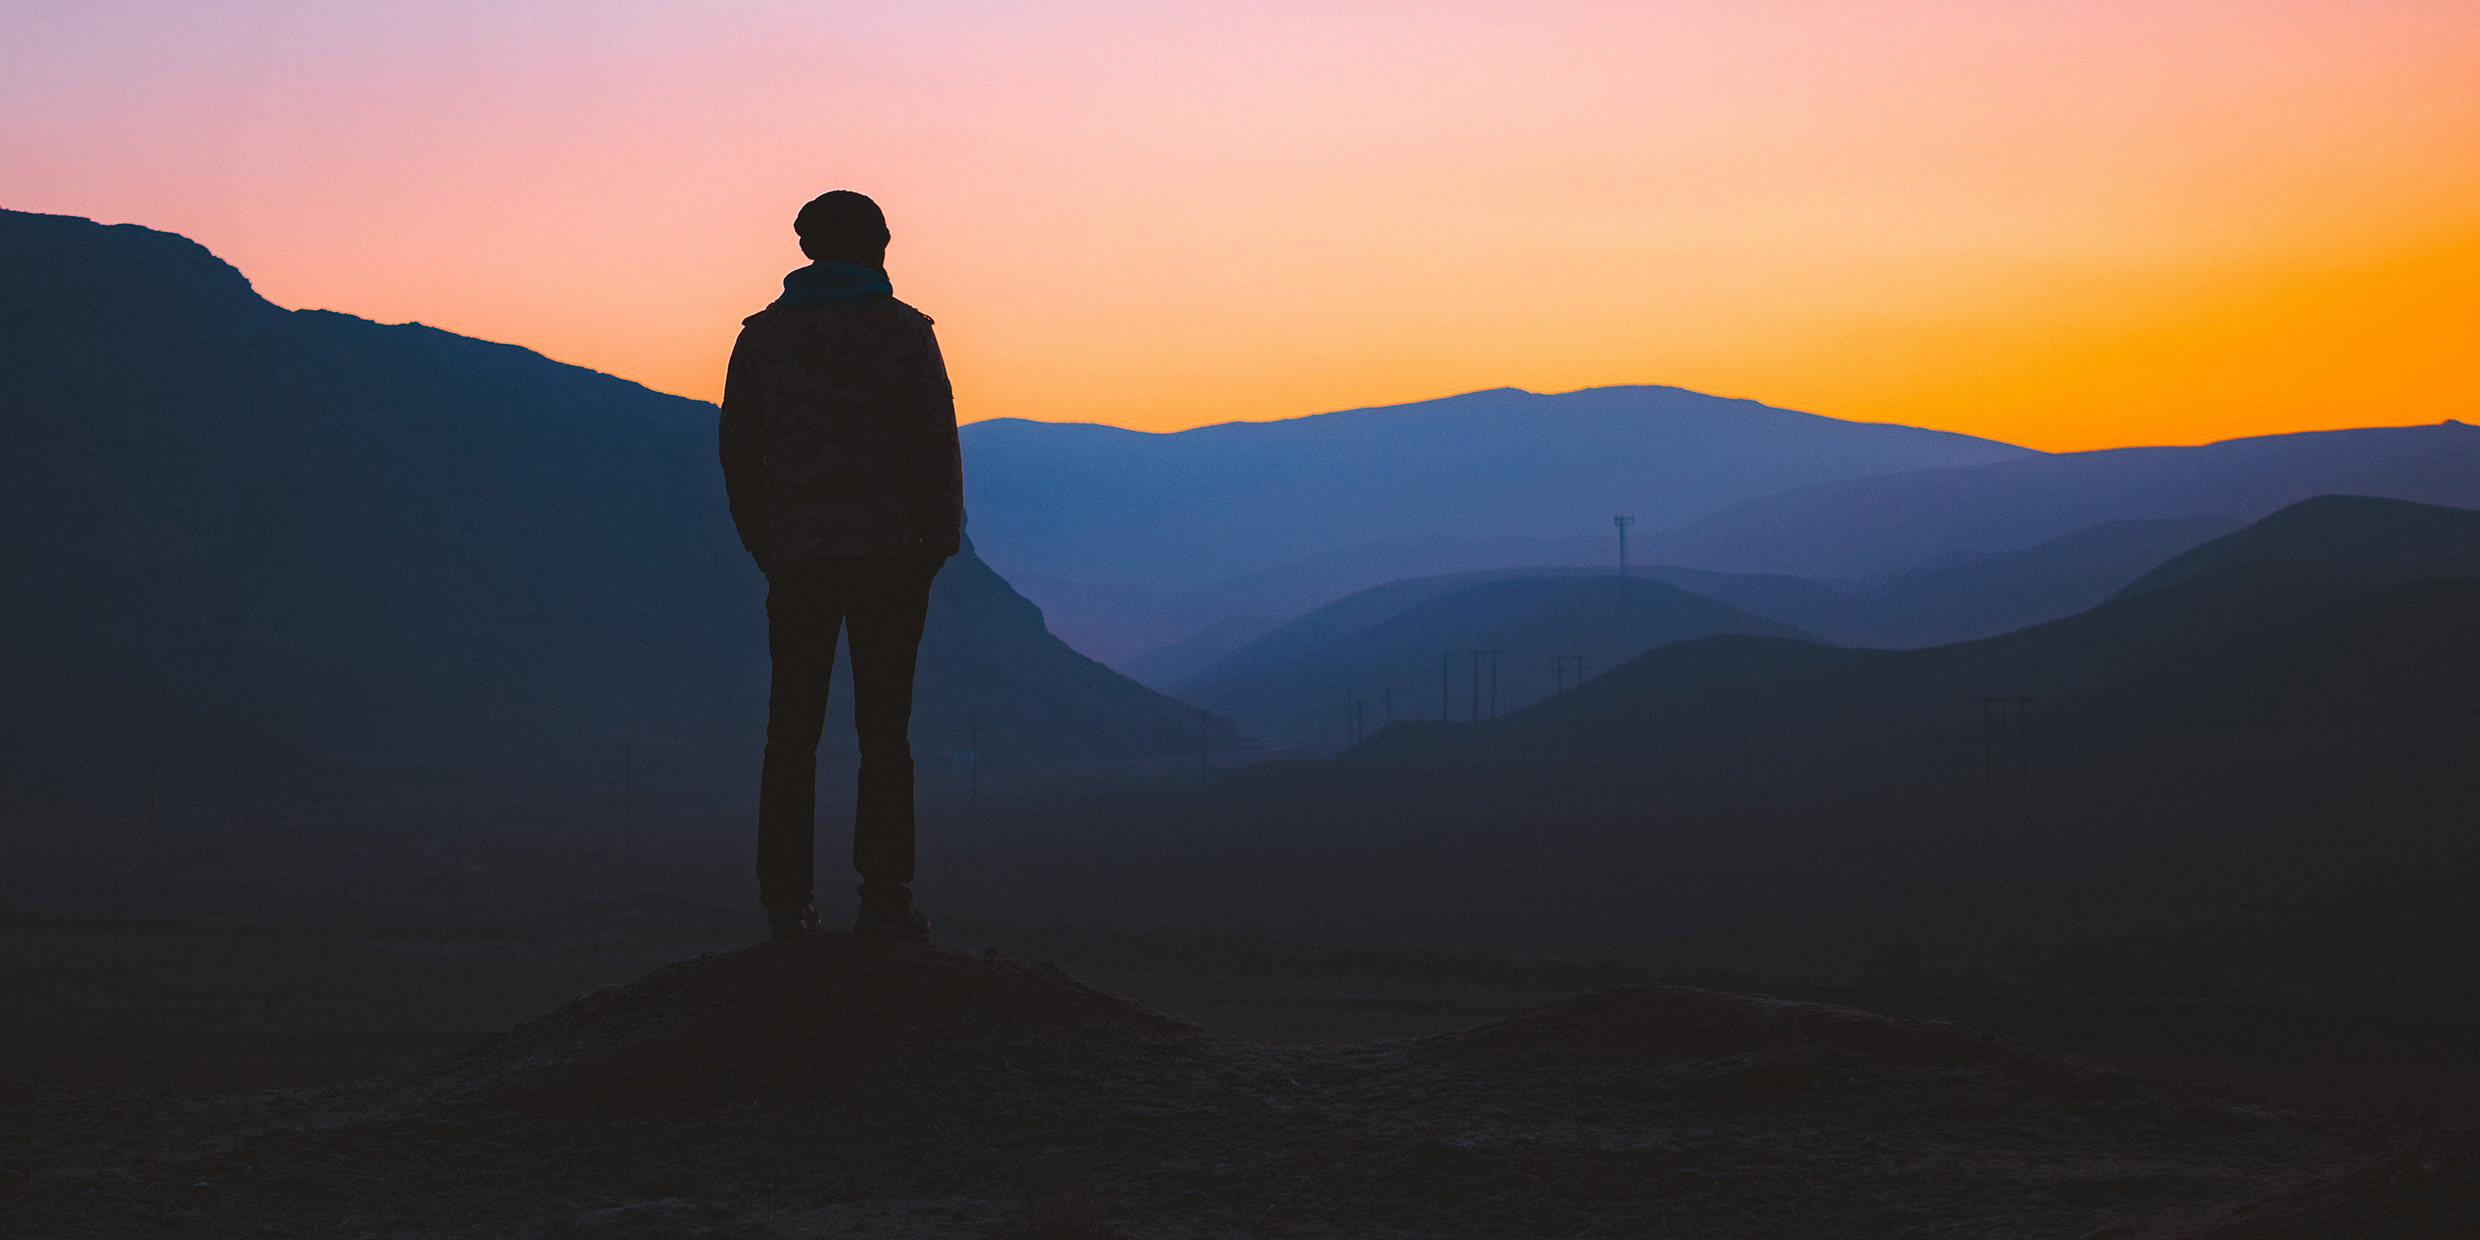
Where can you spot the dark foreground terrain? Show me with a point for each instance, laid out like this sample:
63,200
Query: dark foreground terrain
831,1086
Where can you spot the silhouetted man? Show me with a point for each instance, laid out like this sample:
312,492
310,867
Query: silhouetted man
840,458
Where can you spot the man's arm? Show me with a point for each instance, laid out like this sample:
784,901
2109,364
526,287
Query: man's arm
936,484
741,435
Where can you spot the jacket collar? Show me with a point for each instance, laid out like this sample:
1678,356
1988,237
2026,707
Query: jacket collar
830,283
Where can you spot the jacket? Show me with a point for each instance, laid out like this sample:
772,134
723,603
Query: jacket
838,433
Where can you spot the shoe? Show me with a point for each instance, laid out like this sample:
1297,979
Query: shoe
908,926
793,925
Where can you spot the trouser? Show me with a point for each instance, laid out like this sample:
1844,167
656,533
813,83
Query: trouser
881,600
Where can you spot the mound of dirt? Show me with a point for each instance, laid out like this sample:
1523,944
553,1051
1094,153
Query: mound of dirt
832,1087
818,1016
2429,1189
1649,1023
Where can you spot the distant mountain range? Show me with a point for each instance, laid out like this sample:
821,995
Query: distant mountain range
1132,540
388,552
1860,527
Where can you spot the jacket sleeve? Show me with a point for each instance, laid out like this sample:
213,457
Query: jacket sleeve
741,435
935,485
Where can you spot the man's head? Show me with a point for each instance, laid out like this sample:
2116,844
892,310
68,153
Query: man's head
845,227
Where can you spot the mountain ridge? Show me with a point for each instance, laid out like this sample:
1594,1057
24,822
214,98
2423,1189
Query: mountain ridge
401,547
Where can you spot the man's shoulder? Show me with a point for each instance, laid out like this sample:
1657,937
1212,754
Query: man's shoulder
778,316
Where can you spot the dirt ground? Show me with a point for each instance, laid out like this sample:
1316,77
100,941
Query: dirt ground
833,1086
278,1023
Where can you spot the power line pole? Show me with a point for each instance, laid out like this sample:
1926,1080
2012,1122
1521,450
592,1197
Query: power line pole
1558,666
1623,523
1493,683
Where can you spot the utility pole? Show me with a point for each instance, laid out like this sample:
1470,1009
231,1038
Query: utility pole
1493,682
1623,523
1559,665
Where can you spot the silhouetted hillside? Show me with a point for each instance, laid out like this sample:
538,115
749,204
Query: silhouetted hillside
2393,538
2262,647
413,552
1168,667
1862,527
1292,686
1928,606
1940,603
1110,524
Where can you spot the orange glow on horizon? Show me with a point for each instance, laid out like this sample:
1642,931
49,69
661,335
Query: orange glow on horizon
2055,224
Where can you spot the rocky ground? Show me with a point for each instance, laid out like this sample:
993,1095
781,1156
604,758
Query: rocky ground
831,1086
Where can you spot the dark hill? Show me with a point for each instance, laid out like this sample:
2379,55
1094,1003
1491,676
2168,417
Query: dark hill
1958,599
2395,538
2261,657
823,1017
1528,621
1937,604
412,552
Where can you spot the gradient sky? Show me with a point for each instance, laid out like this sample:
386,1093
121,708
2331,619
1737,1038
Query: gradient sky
2067,225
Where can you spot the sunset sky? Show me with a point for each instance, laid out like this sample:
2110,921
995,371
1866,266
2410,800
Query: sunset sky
2069,225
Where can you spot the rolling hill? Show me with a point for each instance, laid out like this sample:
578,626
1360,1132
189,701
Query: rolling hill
2319,632
1412,646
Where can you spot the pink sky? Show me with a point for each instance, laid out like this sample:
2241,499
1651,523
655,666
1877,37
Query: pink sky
2069,225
